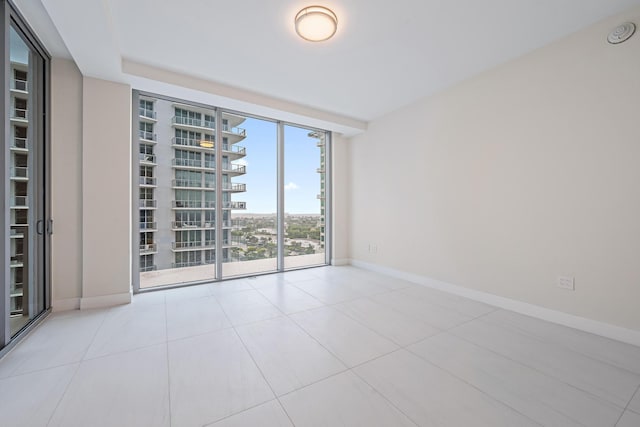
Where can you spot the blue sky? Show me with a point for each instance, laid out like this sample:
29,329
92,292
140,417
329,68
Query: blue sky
302,158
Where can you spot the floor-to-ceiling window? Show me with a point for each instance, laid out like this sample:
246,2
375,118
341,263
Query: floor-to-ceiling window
209,210
304,197
250,234
26,226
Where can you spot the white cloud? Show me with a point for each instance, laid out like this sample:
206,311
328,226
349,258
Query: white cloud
291,186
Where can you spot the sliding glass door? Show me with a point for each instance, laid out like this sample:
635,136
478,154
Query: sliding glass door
250,232
209,193
26,227
304,197
176,166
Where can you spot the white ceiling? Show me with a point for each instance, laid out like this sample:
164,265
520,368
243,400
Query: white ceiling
386,53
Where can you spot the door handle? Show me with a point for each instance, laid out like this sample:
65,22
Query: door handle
40,227
50,226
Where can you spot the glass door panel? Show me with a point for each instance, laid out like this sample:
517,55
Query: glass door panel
26,207
304,197
177,192
250,197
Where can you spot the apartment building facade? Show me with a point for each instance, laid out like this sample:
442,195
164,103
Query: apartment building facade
19,188
177,187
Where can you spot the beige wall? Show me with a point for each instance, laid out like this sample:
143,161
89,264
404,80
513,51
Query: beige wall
340,198
66,183
526,172
106,183
90,170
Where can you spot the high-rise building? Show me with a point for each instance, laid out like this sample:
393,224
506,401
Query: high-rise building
178,183
19,186
321,143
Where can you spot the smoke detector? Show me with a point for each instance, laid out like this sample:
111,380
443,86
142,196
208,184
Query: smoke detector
622,33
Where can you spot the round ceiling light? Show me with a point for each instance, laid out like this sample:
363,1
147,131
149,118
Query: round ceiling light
316,23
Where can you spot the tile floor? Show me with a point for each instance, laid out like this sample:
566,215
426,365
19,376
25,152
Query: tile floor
331,346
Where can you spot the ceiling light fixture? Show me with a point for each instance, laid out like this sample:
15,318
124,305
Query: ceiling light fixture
316,23
206,144
622,33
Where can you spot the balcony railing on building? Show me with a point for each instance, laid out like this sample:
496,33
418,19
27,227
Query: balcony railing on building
233,168
19,143
17,261
192,224
19,113
234,130
148,248
192,121
17,84
148,225
193,244
19,201
236,149
148,203
147,158
190,142
19,172
16,234
148,268
145,112
147,180
149,136
187,204
186,264
235,187
186,183
234,205
187,163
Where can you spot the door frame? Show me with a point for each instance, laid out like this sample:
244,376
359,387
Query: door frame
11,17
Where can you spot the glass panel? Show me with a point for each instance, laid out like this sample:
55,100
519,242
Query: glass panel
177,193
26,299
304,197
250,197
188,194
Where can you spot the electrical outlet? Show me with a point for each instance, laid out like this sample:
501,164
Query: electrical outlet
566,282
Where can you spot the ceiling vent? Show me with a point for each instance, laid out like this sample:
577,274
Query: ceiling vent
622,33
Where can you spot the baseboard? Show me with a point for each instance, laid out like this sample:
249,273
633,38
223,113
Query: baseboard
606,330
65,304
105,301
340,261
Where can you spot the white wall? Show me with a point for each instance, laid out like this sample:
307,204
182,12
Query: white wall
526,172
66,183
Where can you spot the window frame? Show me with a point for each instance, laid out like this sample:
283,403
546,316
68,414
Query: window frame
197,135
